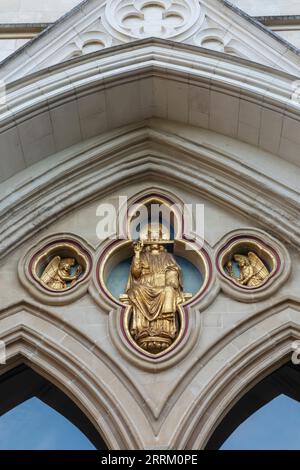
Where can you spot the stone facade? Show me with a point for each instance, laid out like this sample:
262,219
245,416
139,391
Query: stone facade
162,115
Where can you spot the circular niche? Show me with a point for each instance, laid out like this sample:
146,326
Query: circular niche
248,263
115,281
60,266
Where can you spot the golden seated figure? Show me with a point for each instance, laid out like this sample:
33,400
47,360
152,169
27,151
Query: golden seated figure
154,291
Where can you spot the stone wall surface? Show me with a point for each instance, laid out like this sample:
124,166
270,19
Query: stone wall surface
34,11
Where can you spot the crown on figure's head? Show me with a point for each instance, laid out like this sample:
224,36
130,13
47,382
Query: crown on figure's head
155,233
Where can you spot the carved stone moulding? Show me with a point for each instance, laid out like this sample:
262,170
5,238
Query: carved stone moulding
119,251
251,265
57,269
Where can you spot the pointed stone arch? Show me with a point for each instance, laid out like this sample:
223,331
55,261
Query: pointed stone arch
219,92
40,340
257,347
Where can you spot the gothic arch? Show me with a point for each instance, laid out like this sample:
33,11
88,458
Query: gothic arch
215,126
283,381
49,347
19,383
257,348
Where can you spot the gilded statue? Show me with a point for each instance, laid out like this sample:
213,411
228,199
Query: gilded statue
154,292
57,275
253,271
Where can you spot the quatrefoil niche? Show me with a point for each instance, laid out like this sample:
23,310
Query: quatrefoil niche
152,18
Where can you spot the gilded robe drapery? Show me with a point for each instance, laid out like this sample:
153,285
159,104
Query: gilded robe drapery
154,290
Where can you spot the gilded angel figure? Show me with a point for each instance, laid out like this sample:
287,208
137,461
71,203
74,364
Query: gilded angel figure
253,271
57,275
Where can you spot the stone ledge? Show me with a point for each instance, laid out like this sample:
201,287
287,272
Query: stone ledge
279,20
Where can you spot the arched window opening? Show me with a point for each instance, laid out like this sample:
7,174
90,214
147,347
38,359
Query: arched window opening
273,427
267,417
33,425
36,415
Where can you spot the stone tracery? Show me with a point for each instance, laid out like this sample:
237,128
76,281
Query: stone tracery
144,18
